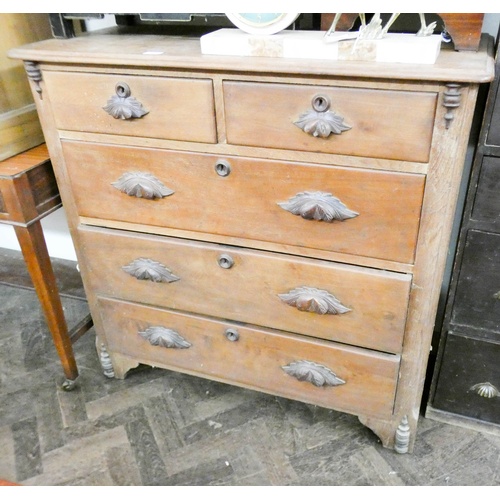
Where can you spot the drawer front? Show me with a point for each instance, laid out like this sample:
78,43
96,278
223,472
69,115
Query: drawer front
477,298
375,123
469,379
487,203
26,195
358,211
177,108
353,380
320,299
43,187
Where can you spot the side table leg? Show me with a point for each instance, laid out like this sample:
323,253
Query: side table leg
34,249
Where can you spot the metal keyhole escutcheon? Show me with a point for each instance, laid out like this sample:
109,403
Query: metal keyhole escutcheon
320,103
225,261
232,334
223,168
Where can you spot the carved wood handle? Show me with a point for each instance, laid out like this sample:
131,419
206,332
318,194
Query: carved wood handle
314,373
122,105
147,269
313,300
164,337
319,121
318,205
486,390
142,185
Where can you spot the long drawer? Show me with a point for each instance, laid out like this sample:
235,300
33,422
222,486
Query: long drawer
354,211
344,378
351,121
349,304
175,108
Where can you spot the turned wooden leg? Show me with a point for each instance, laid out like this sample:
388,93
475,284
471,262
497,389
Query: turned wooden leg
34,249
117,368
397,434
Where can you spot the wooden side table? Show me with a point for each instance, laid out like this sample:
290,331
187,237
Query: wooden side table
28,192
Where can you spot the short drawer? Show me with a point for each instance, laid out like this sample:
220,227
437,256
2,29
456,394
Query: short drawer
349,304
337,209
477,297
380,123
323,373
469,379
177,108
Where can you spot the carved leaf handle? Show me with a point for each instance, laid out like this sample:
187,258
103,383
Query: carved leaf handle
486,390
318,205
314,373
164,337
122,105
319,121
147,269
310,299
142,185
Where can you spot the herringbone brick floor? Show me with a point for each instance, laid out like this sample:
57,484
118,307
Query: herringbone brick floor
162,428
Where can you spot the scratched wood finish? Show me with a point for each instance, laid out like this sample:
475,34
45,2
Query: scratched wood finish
370,378
105,48
443,170
384,228
264,115
249,290
177,108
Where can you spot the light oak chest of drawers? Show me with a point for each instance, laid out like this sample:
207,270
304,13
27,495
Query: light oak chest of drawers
276,224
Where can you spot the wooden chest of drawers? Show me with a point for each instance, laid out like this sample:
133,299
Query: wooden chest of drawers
280,225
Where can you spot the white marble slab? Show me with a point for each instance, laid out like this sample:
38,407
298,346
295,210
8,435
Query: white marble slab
395,47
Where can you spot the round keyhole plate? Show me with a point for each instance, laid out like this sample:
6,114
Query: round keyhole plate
223,168
225,261
320,103
232,334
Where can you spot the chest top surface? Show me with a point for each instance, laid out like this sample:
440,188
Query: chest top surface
123,47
